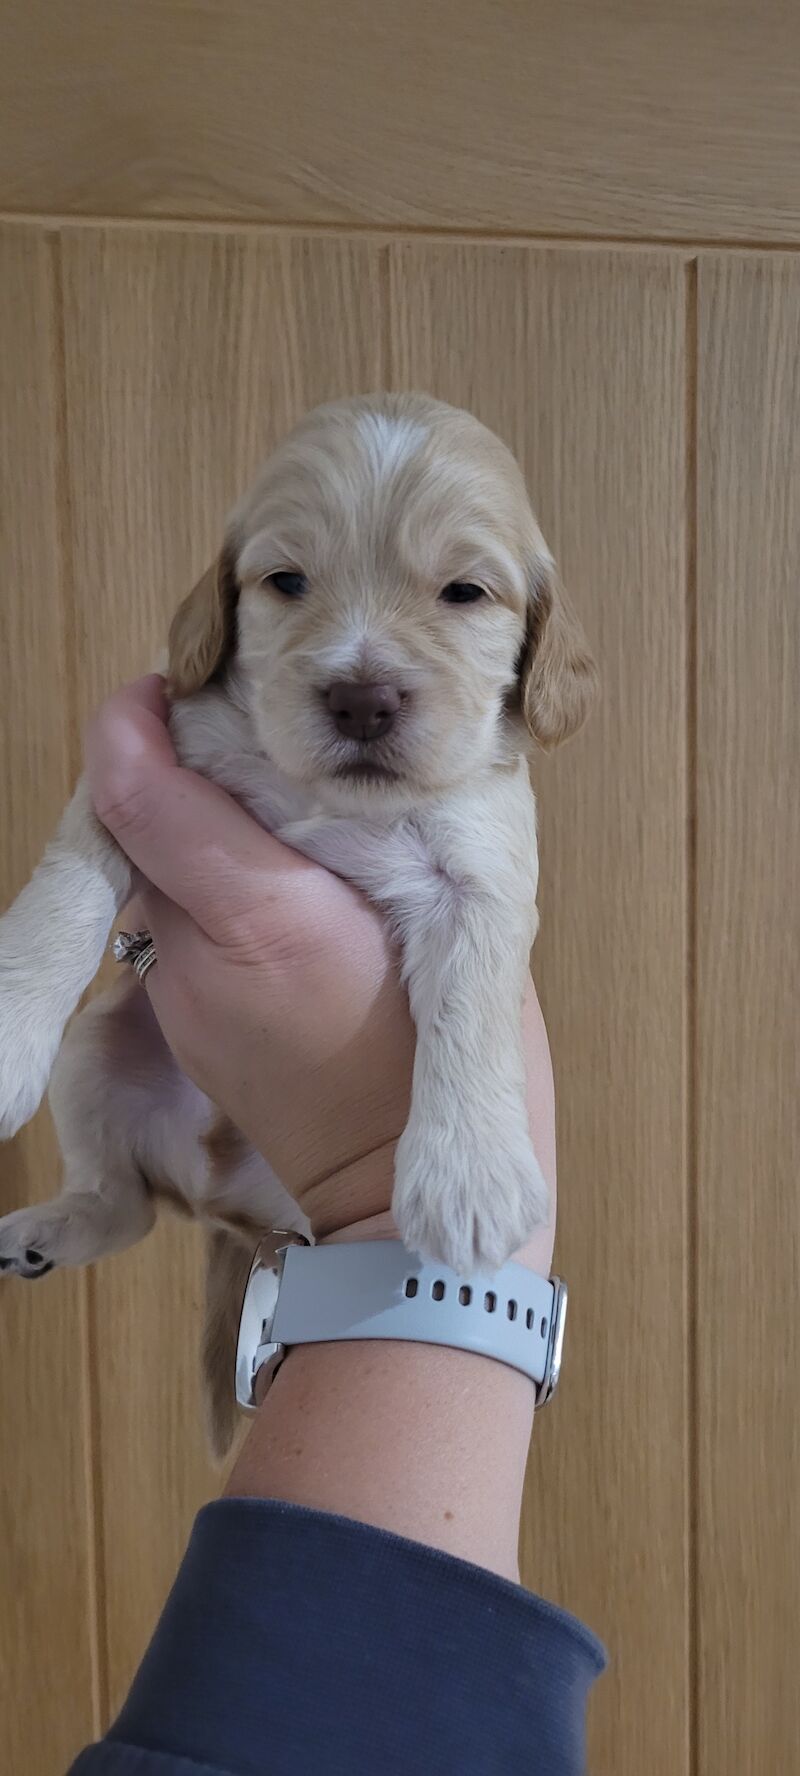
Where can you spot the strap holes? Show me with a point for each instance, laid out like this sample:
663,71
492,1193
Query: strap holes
490,1301
437,1290
511,1310
529,1318
411,1287
465,1295
543,1327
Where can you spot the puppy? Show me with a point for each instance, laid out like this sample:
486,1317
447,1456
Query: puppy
364,668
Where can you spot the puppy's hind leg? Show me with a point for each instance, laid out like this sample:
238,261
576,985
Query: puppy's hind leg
76,1227
104,1204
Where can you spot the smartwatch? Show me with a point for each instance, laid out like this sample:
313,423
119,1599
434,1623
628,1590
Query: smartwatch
303,1294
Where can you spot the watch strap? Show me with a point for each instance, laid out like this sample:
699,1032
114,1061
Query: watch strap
370,1289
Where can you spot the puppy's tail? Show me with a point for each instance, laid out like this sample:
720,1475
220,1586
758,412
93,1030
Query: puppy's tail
228,1261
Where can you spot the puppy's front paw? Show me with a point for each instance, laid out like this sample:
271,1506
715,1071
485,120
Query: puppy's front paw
28,1048
468,1197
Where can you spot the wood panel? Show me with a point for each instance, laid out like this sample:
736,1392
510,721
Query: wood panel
186,358
579,362
130,418
748,973
46,1682
626,119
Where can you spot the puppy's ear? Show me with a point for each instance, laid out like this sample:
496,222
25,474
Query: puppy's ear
228,1262
203,629
557,675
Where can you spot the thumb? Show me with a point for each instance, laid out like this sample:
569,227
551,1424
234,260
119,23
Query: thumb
183,833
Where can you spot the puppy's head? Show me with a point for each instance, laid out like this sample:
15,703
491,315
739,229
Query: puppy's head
389,605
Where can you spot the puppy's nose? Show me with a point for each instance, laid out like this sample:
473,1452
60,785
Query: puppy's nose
363,711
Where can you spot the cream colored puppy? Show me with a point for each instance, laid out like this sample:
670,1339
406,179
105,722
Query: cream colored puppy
364,669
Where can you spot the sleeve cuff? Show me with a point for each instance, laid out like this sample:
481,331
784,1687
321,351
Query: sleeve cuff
297,1641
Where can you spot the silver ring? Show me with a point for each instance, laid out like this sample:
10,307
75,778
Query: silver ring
144,961
137,948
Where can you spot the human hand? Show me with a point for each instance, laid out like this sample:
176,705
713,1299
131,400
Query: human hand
276,986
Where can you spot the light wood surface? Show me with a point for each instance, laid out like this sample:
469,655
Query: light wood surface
748,974
631,118
596,415
47,1600
186,357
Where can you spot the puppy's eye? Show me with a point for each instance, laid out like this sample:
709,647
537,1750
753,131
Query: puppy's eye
292,585
461,592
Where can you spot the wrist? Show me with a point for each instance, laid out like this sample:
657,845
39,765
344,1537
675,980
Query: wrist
354,1204
354,1201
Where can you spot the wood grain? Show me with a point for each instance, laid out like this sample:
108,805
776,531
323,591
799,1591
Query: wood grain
627,119
186,358
579,363
143,372
748,972
45,1547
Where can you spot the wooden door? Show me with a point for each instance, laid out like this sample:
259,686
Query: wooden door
565,219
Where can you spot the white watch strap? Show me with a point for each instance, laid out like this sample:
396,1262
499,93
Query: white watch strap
376,1289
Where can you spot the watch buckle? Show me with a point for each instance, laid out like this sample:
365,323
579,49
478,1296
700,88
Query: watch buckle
555,1343
255,1350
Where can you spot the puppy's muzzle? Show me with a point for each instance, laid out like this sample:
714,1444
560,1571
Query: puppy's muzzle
363,711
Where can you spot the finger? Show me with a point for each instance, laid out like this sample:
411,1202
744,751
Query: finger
175,937
174,932
181,953
184,834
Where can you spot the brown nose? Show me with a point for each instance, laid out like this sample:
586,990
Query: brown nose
363,711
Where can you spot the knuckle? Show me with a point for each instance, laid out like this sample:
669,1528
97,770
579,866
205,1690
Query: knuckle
122,801
271,932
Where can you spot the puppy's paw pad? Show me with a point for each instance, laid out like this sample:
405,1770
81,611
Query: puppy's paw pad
23,1250
471,1204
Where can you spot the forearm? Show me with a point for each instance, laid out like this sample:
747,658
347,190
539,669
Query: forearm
320,1619
425,1441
